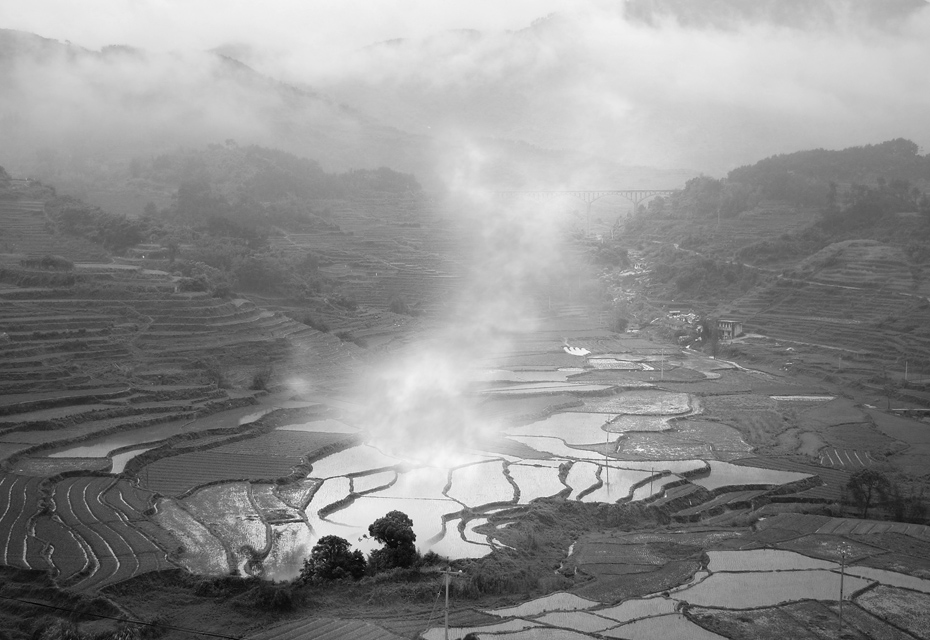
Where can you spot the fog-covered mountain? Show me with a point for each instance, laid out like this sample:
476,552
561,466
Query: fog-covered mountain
642,94
796,14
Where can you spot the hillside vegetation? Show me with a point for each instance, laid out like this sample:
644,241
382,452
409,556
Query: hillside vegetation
826,247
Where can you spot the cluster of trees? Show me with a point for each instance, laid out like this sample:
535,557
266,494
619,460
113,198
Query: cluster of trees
805,179
695,275
610,253
115,232
864,164
870,487
863,205
332,558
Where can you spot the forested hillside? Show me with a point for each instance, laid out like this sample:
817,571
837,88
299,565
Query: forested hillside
793,244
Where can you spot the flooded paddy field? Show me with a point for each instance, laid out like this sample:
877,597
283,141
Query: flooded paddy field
630,424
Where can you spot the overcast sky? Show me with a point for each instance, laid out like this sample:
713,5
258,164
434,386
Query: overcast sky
324,25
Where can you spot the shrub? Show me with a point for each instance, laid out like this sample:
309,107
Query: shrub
345,336
313,323
271,597
330,559
395,532
261,378
48,262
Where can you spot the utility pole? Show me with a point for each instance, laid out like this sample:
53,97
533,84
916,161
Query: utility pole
844,549
448,573
607,466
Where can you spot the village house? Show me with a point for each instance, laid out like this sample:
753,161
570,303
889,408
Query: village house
729,329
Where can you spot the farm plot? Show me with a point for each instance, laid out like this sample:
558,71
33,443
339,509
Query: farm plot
581,477
536,480
420,482
639,608
674,626
373,481
724,474
327,425
617,484
762,589
103,446
553,602
572,428
297,494
828,547
547,388
19,497
353,460
325,629
331,492
662,446
68,553
828,413
481,484
890,578
454,545
227,511
269,505
860,436
266,457
764,560
653,488
800,621
439,633
577,621
614,363
603,555
904,609
640,403
505,409
202,553
725,441
556,447
505,375
121,551
290,544
427,517
623,424
545,633
833,479
46,467
721,503
118,461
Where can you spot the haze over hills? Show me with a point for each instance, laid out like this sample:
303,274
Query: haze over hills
77,116
707,85
257,299
796,14
644,95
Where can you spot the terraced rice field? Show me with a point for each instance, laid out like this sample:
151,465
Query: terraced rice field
267,457
325,629
98,514
657,452
227,511
748,582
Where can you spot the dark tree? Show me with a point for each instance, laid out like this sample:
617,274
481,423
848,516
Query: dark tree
867,485
395,532
330,559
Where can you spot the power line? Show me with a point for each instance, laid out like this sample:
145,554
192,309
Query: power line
105,617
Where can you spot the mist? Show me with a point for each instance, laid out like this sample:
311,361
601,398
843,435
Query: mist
590,83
